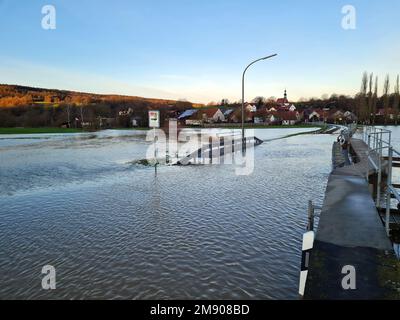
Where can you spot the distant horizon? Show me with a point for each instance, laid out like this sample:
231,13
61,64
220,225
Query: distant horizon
166,99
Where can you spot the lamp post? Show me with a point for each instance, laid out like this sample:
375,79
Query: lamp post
264,58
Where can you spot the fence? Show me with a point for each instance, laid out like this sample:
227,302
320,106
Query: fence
381,156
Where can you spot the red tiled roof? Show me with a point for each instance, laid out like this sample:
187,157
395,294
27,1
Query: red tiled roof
282,100
284,115
209,112
289,115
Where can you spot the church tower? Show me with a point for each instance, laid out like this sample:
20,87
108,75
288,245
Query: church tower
285,96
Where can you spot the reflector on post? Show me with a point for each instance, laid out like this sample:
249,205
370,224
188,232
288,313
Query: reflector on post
308,241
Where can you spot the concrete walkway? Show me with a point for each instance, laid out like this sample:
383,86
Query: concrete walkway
350,232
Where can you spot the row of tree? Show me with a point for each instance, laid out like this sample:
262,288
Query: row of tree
372,108
35,107
22,106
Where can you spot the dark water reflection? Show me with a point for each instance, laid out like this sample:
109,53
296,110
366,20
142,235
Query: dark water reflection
114,230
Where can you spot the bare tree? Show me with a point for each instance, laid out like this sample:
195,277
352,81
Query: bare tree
259,101
386,98
396,100
370,97
374,100
69,115
224,102
362,97
81,114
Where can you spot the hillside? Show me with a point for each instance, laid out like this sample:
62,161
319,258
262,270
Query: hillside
22,106
16,95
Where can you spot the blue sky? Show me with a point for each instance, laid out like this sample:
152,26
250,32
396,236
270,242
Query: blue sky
196,50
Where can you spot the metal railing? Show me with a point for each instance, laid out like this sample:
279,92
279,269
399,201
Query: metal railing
380,156
346,131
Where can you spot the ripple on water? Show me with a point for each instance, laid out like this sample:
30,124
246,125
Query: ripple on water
117,231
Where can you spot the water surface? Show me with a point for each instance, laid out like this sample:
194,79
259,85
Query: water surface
115,230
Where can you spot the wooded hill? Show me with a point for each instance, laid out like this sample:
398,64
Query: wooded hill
35,107
15,95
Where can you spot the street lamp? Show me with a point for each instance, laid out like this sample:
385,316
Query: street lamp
265,58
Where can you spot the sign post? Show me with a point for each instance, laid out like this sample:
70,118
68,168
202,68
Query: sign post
154,122
308,243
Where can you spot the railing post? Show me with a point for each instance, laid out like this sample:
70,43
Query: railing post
378,187
310,226
369,141
388,191
210,146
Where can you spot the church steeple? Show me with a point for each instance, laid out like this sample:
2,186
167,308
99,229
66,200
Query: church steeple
285,95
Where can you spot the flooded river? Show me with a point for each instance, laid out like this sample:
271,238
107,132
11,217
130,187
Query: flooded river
113,229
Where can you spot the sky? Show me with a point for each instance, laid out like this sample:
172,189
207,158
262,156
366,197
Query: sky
197,50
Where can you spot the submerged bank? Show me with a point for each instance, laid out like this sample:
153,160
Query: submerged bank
38,130
31,130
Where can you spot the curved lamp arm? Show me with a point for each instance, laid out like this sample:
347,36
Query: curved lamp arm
244,72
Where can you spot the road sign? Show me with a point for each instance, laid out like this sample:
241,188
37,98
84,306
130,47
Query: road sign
154,119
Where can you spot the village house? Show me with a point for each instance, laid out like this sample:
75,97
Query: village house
190,117
258,120
389,112
336,116
236,116
283,102
227,113
284,117
251,108
289,118
212,115
350,116
272,118
315,116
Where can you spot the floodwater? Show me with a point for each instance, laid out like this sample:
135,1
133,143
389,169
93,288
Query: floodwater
114,230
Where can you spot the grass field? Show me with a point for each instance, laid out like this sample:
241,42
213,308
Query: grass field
134,128
73,130
37,130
